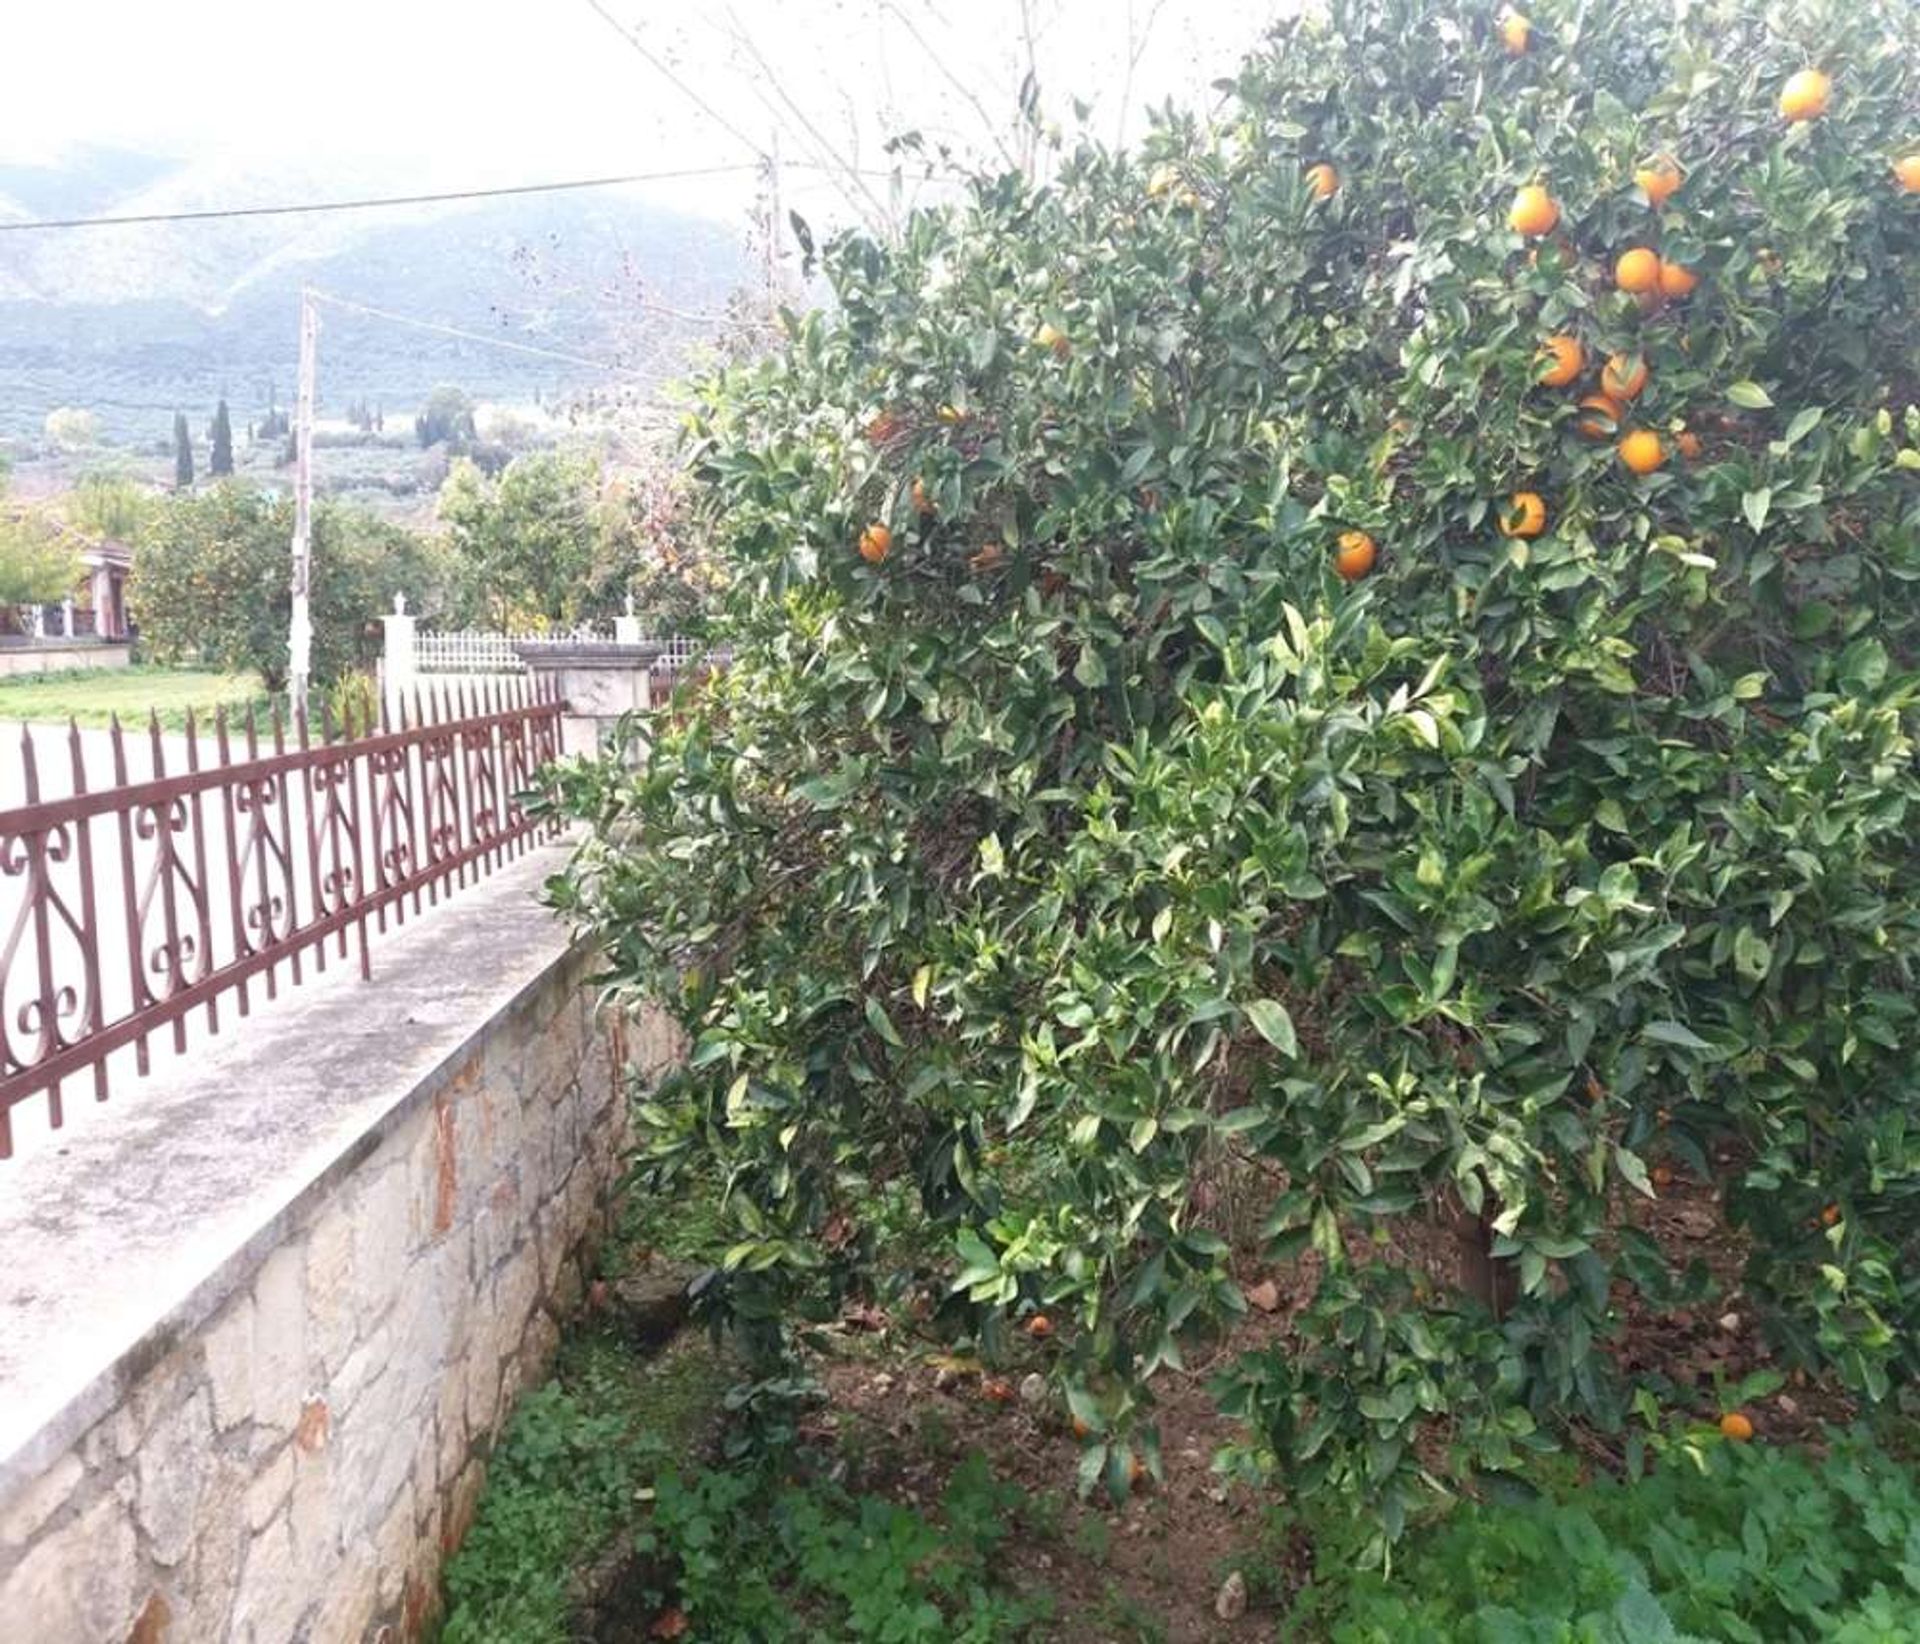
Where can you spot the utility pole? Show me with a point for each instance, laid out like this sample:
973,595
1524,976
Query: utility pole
300,629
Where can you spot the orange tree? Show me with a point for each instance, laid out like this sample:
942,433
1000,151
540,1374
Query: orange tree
1201,702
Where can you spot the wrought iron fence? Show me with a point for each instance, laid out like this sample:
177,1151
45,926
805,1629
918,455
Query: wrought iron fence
138,901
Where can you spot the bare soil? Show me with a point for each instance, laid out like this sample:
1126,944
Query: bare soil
901,1412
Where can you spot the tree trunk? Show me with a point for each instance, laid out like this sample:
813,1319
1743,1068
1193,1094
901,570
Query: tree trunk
1489,1278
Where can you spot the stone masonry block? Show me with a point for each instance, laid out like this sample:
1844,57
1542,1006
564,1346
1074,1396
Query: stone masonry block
280,1380
352,1599
514,1294
450,1422
77,1582
228,1345
393,1544
382,1239
273,1594
331,1314
40,1501
271,1487
172,1467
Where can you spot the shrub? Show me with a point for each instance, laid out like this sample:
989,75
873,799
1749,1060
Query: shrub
1067,830
1751,1546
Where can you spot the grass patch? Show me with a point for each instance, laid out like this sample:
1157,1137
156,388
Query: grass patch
92,696
1735,1543
755,1559
566,1479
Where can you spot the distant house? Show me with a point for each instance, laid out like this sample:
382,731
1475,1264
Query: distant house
89,628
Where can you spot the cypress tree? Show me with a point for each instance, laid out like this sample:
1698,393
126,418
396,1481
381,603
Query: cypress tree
221,462
182,453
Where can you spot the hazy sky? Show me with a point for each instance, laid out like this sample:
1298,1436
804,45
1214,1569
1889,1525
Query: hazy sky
440,93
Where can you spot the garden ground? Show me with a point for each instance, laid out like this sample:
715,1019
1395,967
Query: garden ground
923,1482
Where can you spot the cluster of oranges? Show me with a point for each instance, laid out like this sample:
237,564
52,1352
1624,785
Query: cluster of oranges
1603,415
1639,271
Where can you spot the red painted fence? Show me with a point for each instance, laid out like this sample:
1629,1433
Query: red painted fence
130,905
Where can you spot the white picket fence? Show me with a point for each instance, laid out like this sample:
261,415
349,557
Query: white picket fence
491,653
484,653
447,661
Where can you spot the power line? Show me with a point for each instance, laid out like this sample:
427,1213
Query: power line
455,331
310,207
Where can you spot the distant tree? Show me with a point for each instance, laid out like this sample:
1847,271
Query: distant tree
71,429
220,463
106,503
36,566
534,544
182,453
446,419
210,582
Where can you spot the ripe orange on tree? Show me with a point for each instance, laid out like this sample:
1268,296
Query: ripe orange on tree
1601,417
1907,173
1637,270
1040,1327
1642,451
1563,359
1805,96
987,558
922,503
1677,280
1323,182
1514,32
997,1390
1534,212
1051,336
1736,1426
1658,181
1524,516
876,542
1830,1217
1623,376
1687,442
1354,555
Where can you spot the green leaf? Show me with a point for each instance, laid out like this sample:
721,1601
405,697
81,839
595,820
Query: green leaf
1271,1021
1674,1033
1750,395
1755,504
1804,422
882,1023
1634,1169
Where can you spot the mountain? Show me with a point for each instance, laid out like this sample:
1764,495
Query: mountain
137,321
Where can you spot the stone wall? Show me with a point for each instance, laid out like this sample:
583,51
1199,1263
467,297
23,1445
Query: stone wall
51,657
297,1465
